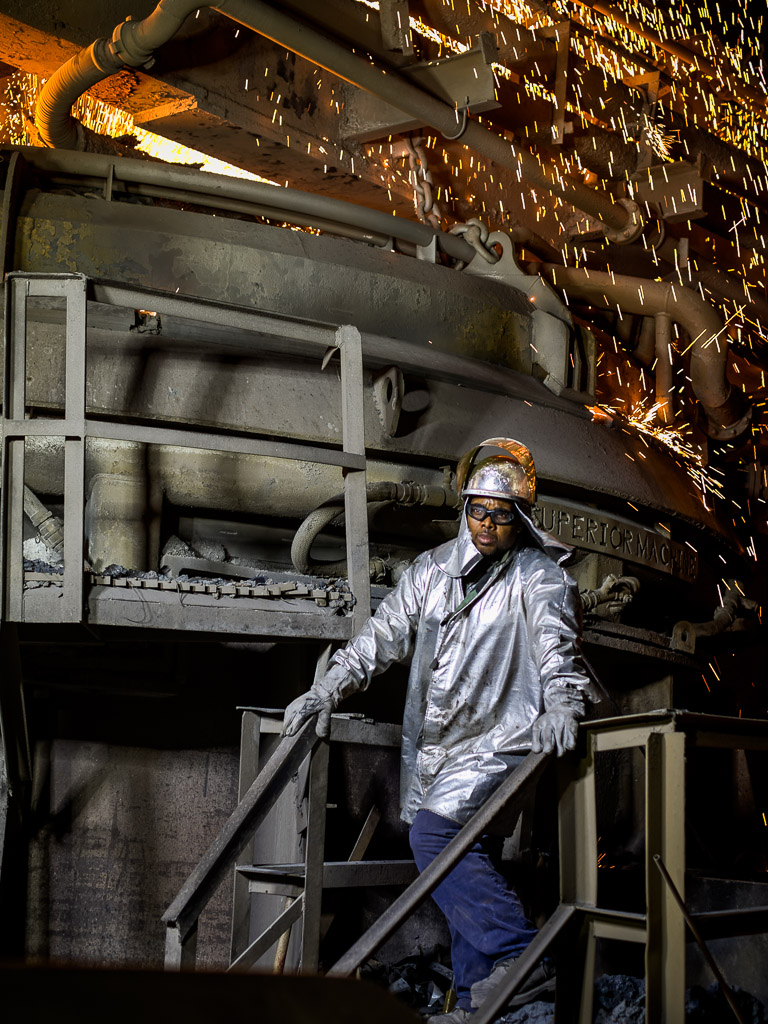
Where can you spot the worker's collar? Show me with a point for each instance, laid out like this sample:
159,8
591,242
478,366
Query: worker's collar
460,557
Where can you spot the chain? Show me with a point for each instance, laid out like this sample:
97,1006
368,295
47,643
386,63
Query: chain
427,207
476,233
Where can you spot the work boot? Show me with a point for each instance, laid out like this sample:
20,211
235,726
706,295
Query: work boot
456,1016
539,984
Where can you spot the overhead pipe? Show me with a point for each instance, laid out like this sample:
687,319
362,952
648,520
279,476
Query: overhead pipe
727,409
133,43
721,284
645,349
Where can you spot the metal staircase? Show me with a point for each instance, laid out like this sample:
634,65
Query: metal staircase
664,736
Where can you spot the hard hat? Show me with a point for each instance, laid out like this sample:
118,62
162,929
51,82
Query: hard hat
511,476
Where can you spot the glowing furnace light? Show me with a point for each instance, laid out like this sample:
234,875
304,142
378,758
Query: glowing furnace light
21,94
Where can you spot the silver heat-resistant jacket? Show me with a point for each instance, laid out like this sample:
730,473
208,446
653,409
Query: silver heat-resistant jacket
479,677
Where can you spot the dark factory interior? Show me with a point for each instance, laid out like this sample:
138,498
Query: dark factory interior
270,269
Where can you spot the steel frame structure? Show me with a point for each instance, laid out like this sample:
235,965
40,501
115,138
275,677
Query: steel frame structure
76,426
664,736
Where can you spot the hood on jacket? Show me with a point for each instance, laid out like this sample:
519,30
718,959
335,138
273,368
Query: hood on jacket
457,558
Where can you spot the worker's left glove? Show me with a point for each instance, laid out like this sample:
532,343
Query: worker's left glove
308,705
555,729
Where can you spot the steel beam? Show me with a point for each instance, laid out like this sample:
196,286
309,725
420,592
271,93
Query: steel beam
74,450
577,820
269,936
355,502
577,817
343,874
14,402
180,952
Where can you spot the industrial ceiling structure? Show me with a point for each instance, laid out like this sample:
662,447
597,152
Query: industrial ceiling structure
271,269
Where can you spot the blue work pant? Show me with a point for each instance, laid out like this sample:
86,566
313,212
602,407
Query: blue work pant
485,916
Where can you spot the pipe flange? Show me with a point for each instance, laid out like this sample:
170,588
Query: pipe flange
632,229
718,432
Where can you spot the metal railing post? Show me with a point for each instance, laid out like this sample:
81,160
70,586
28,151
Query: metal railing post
14,402
355,503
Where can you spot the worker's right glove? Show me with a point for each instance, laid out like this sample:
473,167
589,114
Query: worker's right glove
555,729
308,705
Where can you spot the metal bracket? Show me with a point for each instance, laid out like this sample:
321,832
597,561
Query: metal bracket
465,81
396,26
427,253
676,190
648,85
540,293
388,391
632,229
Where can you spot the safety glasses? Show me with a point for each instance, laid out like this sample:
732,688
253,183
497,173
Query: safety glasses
498,516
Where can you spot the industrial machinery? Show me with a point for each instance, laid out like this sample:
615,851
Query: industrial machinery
232,412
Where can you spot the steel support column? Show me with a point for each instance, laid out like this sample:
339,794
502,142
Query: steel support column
665,836
355,502
577,821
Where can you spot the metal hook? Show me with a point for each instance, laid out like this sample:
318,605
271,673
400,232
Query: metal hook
463,126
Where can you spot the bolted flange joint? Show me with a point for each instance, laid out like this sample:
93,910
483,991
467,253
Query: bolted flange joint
633,227
718,432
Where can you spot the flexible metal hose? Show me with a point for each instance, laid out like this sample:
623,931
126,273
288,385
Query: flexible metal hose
132,44
383,491
58,129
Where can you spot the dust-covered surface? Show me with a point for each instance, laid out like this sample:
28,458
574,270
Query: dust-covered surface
424,980
620,999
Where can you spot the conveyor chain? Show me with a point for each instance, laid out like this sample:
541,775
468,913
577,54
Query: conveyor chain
321,596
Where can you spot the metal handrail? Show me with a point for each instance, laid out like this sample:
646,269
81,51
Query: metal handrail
510,796
182,915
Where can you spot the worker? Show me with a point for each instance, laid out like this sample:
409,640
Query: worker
490,622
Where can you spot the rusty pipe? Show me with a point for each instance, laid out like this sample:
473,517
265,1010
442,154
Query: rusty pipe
726,407
645,350
132,44
664,380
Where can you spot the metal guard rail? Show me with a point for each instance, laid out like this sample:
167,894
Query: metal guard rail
182,915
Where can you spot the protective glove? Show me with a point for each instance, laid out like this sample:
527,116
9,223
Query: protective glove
307,706
555,729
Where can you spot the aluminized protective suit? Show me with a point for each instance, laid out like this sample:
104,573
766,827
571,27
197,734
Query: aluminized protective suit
480,676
